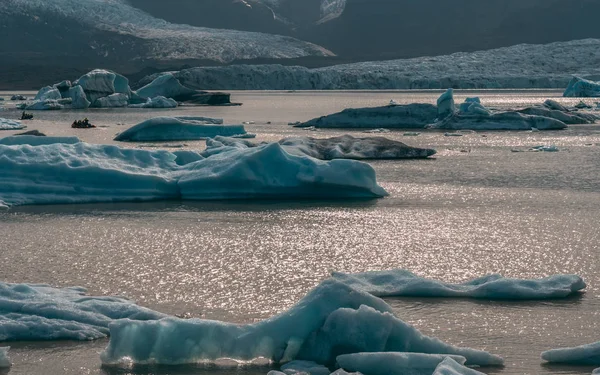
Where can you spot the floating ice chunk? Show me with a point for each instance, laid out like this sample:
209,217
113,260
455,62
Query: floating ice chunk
324,324
341,371
117,100
39,312
380,130
498,121
33,140
18,97
563,116
48,93
4,359
397,116
453,134
78,98
394,363
395,283
411,134
588,354
177,129
6,124
393,102
100,83
445,104
306,367
156,102
450,367
167,86
43,105
596,372
579,87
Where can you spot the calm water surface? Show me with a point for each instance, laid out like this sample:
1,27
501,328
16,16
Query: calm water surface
477,208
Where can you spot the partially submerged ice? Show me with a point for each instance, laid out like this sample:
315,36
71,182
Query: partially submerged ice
156,102
30,312
331,320
4,359
581,355
396,283
582,88
36,140
344,147
451,367
84,173
6,124
304,367
165,84
394,363
179,129
390,116
555,110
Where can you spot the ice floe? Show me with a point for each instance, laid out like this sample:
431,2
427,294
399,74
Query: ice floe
579,87
304,367
39,312
343,147
395,283
394,363
4,359
81,172
331,320
552,109
179,129
36,140
588,354
156,102
451,367
6,124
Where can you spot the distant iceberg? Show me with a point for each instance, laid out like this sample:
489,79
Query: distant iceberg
581,355
6,124
394,363
156,102
397,283
178,129
4,359
31,312
579,87
344,147
84,173
331,320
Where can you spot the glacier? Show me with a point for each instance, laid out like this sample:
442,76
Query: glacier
178,129
4,359
85,173
6,124
581,355
396,283
344,147
394,363
332,319
579,87
503,68
30,312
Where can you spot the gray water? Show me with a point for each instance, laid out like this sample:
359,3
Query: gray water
477,208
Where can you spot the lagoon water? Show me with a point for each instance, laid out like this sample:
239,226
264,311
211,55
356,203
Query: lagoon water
476,208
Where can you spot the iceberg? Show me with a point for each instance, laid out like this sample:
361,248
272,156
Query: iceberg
555,110
30,312
331,320
6,124
100,83
156,102
497,121
391,116
85,173
451,367
168,86
47,93
78,98
445,104
36,140
41,105
581,355
4,359
304,367
117,100
344,147
394,363
18,97
582,88
178,129
397,283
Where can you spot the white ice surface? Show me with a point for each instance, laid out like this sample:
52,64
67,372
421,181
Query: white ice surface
450,367
6,124
330,320
397,283
30,312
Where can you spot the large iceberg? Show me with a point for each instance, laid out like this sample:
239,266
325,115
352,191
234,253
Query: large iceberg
81,172
579,87
31,312
6,124
394,363
168,86
4,359
331,320
396,283
116,100
581,355
100,83
178,129
344,147
391,116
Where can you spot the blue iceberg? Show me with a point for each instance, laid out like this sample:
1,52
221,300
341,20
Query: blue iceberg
6,124
179,129
579,87
394,363
581,355
31,312
397,283
331,320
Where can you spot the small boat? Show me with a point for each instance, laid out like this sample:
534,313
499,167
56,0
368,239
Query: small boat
82,124
26,116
